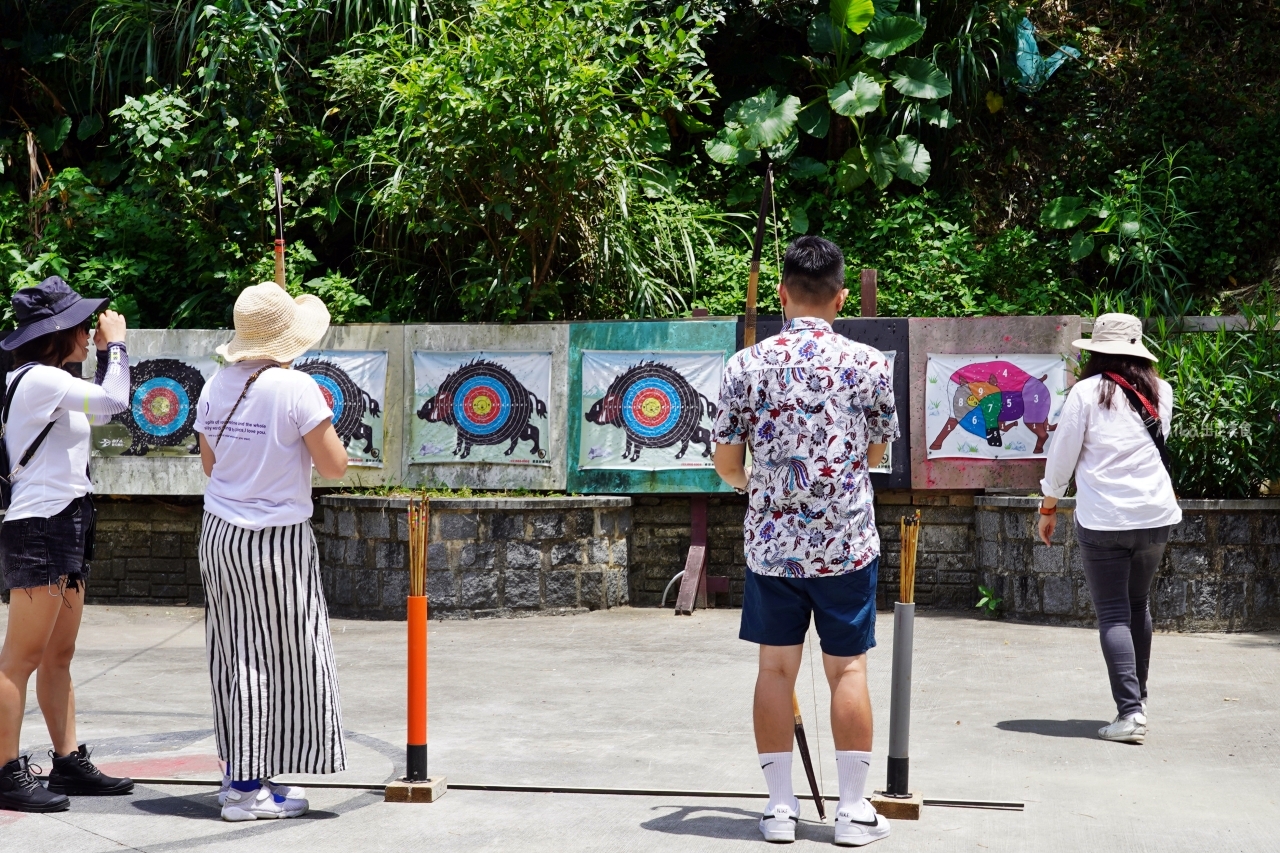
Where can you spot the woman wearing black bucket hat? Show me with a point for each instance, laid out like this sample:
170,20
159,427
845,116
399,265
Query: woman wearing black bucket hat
47,533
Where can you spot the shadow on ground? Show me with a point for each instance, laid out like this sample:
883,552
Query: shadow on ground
1087,729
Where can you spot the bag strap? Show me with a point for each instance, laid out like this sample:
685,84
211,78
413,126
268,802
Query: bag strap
252,378
4,423
1150,417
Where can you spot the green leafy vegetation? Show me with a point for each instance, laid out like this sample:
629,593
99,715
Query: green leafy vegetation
504,160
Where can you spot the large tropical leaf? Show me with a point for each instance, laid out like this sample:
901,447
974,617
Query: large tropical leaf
1064,212
807,167
936,115
815,119
851,172
725,148
767,118
919,78
856,96
826,36
1081,246
914,162
782,152
853,14
887,36
882,159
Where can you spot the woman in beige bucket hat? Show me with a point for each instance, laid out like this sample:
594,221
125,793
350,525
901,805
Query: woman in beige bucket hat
262,428
1110,437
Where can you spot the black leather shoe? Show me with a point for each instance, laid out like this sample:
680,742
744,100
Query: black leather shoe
75,774
20,792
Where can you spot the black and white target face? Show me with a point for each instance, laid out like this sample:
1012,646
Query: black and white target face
162,402
489,405
659,406
340,392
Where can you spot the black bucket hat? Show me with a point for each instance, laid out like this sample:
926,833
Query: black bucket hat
50,306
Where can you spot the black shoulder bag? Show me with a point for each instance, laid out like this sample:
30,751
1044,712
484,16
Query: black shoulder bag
7,471
1150,418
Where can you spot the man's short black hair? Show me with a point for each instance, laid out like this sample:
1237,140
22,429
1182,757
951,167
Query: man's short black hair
813,269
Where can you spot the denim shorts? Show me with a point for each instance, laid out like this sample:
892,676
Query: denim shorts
49,551
775,611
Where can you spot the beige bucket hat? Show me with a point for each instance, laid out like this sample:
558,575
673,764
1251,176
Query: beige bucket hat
270,324
1116,334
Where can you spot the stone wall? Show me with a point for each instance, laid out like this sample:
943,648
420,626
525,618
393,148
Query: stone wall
147,552
1221,571
487,557
945,565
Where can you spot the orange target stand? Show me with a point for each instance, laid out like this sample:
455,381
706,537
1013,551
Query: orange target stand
417,786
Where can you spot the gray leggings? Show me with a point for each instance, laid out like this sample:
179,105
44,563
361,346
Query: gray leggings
1120,566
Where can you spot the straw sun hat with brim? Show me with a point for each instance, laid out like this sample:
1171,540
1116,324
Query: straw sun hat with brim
271,325
1116,334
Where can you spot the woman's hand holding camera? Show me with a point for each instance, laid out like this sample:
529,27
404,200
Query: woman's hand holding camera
111,329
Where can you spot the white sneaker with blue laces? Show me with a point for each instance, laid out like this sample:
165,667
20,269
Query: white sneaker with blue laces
260,804
859,824
289,792
779,823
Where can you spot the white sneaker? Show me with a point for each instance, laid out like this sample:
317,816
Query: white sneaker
859,824
289,792
779,824
260,804
1129,730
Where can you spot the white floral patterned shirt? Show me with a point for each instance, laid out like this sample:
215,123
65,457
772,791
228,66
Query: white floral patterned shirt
808,402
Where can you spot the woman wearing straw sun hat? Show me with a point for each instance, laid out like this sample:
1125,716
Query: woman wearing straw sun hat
262,428
1111,437
47,537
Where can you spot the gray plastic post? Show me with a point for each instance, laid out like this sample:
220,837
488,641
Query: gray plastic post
900,695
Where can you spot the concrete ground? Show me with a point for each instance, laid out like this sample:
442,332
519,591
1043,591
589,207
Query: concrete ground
638,698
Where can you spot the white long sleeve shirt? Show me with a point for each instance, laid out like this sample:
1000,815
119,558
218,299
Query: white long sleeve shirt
58,472
1120,482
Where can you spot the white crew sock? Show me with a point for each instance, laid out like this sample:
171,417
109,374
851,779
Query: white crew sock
852,767
777,776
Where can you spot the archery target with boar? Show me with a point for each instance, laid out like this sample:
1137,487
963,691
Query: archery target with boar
648,411
481,406
993,406
161,416
354,385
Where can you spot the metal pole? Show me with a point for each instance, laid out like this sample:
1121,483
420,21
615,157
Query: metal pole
900,699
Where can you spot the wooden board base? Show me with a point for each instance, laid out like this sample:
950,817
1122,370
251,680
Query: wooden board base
896,809
429,791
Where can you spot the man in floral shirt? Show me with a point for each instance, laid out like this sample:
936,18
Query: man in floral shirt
817,411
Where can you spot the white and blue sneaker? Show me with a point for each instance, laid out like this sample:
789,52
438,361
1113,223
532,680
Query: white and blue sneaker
260,804
859,824
779,823
289,792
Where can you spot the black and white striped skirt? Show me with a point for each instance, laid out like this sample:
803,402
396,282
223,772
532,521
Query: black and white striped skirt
276,708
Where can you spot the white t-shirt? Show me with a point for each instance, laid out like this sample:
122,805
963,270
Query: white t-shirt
1120,482
262,476
58,472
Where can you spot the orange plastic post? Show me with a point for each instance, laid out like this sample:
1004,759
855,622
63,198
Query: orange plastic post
416,756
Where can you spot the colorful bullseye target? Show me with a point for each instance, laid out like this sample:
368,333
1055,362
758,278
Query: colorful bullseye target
162,404
346,399
651,407
482,405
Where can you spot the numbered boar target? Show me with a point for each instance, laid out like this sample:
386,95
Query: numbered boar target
994,407
494,403
162,407
353,385
661,406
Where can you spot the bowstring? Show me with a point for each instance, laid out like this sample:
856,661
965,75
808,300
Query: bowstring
777,255
817,745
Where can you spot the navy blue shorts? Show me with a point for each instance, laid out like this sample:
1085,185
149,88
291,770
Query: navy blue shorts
775,611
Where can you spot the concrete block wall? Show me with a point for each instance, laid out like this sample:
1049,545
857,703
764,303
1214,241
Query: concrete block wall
1220,572
945,565
147,552
487,557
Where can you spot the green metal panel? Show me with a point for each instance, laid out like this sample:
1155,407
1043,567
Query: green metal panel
639,336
